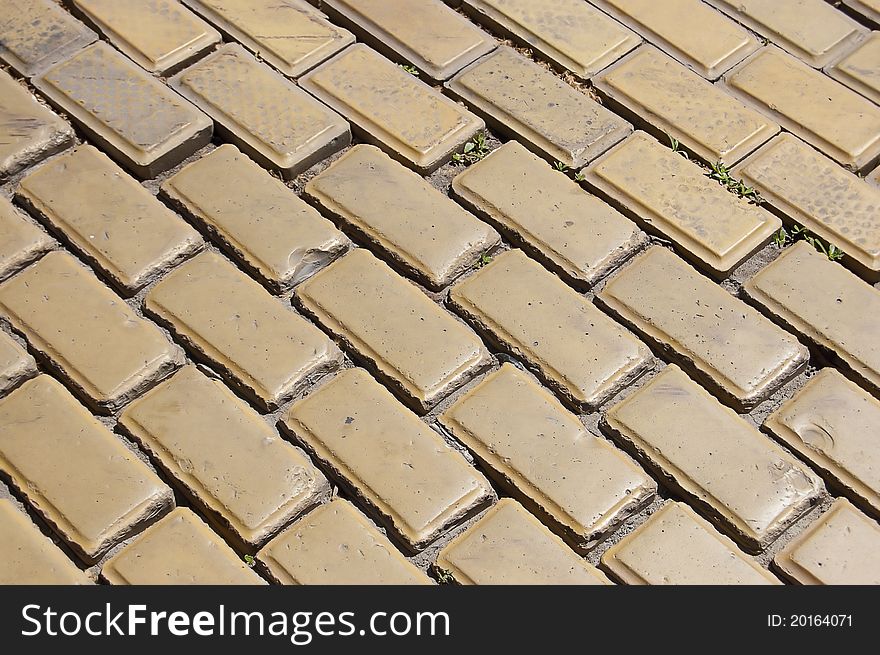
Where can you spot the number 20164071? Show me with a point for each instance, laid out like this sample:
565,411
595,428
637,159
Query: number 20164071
810,621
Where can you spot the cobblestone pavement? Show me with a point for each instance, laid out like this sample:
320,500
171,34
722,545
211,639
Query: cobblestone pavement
405,291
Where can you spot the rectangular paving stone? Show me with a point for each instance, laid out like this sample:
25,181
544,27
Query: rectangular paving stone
21,242
225,456
579,352
859,70
828,305
653,90
289,34
527,102
178,550
336,545
671,196
869,9
394,463
392,109
395,210
261,347
107,217
409,342
579,484
874,177
105,351
734,475
15,363
574,234
261,223
510,546
77,474
846,127
727,345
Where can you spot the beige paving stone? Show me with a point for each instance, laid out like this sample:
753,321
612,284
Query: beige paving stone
89,335
846,127
874,178
731,473
841,548
671,196
261,223
721,341
510,546
178,550
15,364
107,217
579,352
527,102
76,473
859,70
655,91
574,234
289,34
393,209
21,241
409,342
260,346
825,303
393,462
335,544
869,9
580,485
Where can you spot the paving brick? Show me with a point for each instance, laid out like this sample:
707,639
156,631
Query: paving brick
409,342
393,462
576,235
733,474
826,304
107,217
396,211
392,109
874,178
289,34
655,91
869,9
573,35
335,544
35,34
99,345
261,223
846,128
397,29
581,486
76,473
696,35
859,70
671,196
727,345
678,547
261,347
841,548
523,100
29,132
15,364
510,546
21,241
578,351
178,550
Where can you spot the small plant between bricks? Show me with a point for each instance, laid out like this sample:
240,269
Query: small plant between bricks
800,233
249,560
675,144
720,173
484,259
474,150
564,168
412,70
444,576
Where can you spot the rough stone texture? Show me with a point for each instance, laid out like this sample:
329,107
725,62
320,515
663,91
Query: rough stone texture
859,70
15,364
21,241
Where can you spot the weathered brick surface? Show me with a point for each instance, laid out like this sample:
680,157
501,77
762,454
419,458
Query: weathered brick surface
21,241
15,364
858,69
869,9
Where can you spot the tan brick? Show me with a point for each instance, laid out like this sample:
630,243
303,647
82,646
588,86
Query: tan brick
733,474
510,546
581,486
289,34
525,101
101,347
261,223
870,9
393,462
261,347
414,346
15,364
846,127
841,548
874,178
671,196
721,341
825,303
678,547
655,91
574,234
335,544
76,473
393,209
21,241
107,217
859,70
